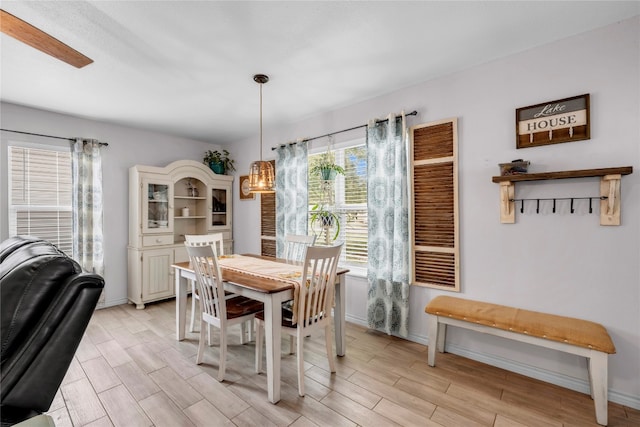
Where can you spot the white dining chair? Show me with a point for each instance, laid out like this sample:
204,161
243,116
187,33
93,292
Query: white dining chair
295,250
217,310
311,309
215,239
296,246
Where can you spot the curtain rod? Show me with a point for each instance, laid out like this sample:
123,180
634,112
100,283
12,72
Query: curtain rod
413,113
105,144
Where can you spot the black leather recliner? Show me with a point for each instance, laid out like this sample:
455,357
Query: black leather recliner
46,304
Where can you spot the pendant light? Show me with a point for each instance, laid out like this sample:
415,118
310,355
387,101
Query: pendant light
261,174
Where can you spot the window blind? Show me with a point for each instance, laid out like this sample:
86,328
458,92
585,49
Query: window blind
40,195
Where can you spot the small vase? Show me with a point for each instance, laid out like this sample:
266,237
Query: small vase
328,174
217,168
327,220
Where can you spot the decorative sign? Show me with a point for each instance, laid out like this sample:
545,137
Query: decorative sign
244,189
553,122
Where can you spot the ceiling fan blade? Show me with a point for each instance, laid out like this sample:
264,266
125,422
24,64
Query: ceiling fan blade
27,33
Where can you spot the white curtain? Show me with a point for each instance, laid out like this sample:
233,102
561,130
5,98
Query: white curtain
388,202
292,201
88,248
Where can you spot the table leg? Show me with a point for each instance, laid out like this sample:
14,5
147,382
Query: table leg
272,326
339,314
181,303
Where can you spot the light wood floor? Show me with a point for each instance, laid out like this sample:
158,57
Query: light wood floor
130,371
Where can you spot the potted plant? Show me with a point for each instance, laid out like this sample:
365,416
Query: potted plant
326,169
219,162
325,219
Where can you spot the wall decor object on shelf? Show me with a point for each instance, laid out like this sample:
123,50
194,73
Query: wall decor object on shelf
553,122
245,191
515,167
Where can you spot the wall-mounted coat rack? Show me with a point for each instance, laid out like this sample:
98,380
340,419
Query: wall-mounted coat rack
555,199
609,191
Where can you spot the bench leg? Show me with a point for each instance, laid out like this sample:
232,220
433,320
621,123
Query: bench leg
436,332
442,333
588,359
599,384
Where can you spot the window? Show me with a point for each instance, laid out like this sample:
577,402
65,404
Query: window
348,199
40,193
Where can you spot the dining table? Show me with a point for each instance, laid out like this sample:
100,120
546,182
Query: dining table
264,279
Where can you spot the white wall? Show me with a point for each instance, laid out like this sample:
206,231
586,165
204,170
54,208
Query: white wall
127,147
562,263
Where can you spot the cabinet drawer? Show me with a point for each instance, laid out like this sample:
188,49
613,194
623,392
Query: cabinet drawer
157,240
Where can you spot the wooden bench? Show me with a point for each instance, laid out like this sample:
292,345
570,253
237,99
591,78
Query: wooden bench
567,334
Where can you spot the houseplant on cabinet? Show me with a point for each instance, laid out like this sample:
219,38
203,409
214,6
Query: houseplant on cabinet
219,162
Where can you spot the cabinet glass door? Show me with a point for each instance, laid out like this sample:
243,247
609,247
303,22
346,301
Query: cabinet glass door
157,211
219,207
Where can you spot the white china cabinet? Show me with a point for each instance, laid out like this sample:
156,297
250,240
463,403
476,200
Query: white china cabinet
165,204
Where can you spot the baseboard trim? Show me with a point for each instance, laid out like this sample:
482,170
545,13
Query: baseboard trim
113,303
558,379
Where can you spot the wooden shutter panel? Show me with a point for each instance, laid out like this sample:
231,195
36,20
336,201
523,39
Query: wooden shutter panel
434,218
268,222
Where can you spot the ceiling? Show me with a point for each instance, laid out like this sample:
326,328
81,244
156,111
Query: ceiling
186,67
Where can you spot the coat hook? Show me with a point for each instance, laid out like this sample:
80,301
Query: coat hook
554,206
590,207
538,206
572,205
522,206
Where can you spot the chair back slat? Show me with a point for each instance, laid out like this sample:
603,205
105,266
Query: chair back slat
296,246
209,280
315,297
215,239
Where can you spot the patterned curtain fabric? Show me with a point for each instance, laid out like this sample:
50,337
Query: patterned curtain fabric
87,207
388,202
292,201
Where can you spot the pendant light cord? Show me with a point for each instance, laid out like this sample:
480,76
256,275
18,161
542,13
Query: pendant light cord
260,121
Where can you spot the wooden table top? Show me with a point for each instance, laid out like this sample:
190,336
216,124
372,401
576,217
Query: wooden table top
251,281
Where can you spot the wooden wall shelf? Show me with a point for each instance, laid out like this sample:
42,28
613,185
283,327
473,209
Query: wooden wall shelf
609,190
